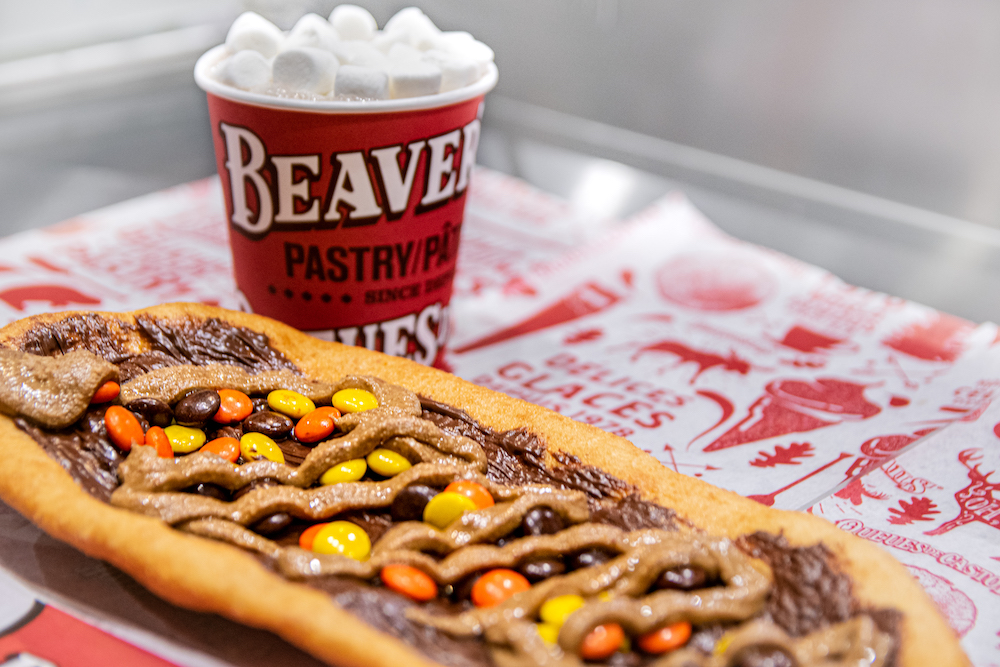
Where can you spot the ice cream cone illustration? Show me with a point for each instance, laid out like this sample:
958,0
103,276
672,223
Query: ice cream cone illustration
795,406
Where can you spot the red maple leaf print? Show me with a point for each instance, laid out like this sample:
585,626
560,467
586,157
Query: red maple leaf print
918,509
784,455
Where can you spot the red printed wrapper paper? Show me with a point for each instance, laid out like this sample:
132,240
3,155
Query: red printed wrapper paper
724,360
347,224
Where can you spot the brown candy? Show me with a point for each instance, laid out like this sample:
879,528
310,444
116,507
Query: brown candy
210,490
541,568
681,579
273,523
197,407
588,558
142,422
542,521
293,451
462,589
409,503
155,411
271,424
234,432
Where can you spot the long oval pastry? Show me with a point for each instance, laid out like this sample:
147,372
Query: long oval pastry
344,500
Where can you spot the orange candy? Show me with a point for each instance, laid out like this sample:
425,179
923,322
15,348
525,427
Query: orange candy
227,448
235,406
106,392
497,586
317,425
409,581
123,428
475,492
308,536
602,641
667,638
156,437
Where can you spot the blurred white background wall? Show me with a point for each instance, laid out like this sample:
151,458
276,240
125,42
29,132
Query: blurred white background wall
895,98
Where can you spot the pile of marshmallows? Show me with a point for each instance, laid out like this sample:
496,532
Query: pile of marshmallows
349,58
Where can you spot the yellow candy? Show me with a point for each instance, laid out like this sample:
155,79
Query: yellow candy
387,463
354,400
255,446
556,610
345,538
549,633
446,507
290,403
604,596
184,439
348,471
723,644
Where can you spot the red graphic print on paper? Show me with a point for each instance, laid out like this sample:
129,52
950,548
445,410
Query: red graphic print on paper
56,295
768,499
47,265
899,401
796,406
879,449
725,405
976,501
715,281
789,455
918,509
585,300
941,339
584,336
49,635
704,360
517,287
855,491
804,340
956,606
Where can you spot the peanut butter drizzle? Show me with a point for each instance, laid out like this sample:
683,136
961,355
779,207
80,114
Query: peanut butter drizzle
168,384
615,591
850,643
625,580
51,391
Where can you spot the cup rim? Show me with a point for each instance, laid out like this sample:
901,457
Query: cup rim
210,85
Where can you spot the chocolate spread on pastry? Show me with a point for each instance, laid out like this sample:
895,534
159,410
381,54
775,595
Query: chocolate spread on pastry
187,341
793,611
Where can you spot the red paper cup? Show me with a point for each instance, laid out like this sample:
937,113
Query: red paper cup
345,217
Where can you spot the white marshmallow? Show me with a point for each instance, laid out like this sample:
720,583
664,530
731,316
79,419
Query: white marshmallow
471,49
456,71
401,52
314,31
383,41
356,52
353,22
414,27
245,69
305,70
363,82
413,79
406,19
252,31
